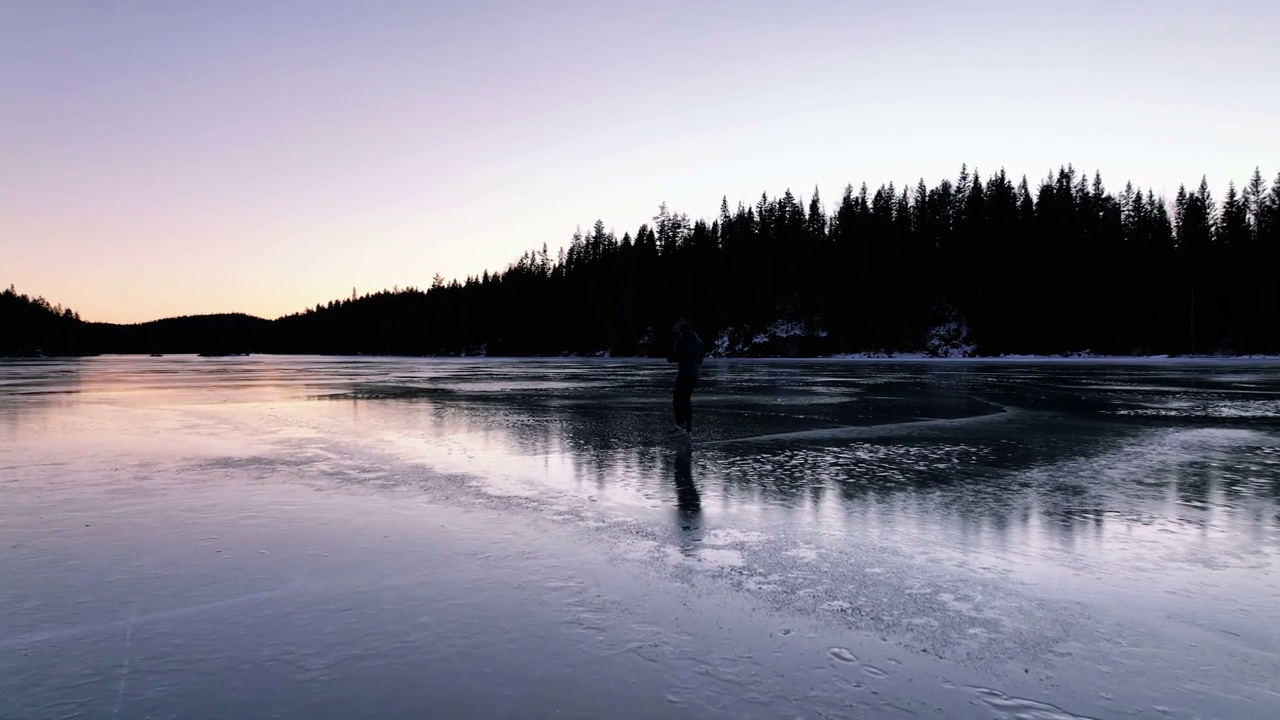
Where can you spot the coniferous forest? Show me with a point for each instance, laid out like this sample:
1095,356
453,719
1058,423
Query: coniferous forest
983,266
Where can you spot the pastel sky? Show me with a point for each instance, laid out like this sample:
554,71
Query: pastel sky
168,158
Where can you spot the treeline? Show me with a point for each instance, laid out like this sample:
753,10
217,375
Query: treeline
29,324
1063,266
1007,267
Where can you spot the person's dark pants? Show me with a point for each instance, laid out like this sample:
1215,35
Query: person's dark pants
684,401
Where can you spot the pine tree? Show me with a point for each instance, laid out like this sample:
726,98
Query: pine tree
1179,213
1268,316
1026,203
961,194
1269,219
1165,313
1255,199
597,242
817,219
1204,200
1138,223
1161,228
1233,230
1235,261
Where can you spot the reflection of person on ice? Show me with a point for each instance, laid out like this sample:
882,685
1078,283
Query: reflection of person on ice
688,353
688,504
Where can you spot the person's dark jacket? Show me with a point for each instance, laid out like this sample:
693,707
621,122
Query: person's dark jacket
688,352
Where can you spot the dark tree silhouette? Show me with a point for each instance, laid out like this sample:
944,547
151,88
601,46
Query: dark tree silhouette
32,327
979,265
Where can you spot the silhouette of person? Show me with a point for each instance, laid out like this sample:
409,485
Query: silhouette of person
688,503
687,354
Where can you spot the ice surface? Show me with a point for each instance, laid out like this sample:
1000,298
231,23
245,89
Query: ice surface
324,537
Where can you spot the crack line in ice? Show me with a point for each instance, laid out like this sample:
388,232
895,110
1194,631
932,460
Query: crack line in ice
854,431
124,670
175,612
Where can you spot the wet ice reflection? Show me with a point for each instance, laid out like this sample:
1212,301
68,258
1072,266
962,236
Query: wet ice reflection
948,458
1068,525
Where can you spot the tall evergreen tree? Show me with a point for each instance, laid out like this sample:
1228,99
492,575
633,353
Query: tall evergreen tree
1233,230
817,219
1254,199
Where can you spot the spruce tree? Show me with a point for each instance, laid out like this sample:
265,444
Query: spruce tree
1254,199
1233,230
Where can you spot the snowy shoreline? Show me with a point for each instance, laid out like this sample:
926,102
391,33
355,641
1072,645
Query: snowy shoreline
840,357
1051,358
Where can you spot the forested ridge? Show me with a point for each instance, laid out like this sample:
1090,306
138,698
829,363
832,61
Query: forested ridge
983,266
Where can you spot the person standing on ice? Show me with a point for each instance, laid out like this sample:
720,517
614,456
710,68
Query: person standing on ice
688,354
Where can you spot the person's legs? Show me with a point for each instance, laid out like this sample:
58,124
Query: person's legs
678,406
688,406
684,403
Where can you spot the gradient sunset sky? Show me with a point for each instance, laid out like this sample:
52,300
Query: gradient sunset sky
170,158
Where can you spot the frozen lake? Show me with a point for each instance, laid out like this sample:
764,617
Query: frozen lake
349,538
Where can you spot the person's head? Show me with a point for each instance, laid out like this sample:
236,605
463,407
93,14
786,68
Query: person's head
682,326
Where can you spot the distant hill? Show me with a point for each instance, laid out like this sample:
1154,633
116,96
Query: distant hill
32,327
220,334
